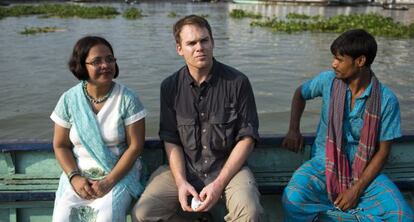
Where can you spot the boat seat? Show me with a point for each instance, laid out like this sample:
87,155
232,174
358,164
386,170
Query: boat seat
29,172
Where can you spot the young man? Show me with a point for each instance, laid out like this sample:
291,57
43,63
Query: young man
209,125
359,119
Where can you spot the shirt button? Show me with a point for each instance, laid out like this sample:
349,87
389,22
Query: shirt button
204,130
205,175
201,98
205,161
204,147
202,114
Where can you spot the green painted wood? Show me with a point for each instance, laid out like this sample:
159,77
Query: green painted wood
6,164
24,170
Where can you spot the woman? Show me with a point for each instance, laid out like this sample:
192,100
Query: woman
99,134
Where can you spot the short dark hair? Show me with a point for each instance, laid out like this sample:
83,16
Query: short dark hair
355,43
80,52
190,20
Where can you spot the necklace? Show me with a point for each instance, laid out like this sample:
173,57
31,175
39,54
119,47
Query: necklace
96,100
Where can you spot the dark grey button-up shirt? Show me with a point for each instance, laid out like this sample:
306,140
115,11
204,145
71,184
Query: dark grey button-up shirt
209,120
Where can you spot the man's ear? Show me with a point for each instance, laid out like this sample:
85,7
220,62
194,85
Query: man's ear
361,60
178,49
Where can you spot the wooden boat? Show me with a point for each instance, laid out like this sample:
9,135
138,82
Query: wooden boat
29,175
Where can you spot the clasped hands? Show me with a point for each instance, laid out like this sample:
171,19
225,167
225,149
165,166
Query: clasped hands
208,196
348,199
90,189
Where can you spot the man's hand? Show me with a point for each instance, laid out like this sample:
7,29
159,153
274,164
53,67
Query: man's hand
293,141
348,199
101,187
82,187
209,196
184,190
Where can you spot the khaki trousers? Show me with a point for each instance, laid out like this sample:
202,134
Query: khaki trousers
159,201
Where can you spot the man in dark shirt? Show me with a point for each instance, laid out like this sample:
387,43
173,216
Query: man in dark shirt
209,126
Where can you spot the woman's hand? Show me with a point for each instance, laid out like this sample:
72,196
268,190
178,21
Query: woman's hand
82,187
101,187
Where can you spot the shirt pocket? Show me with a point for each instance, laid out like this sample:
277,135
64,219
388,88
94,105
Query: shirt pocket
186,130
356,124
223,126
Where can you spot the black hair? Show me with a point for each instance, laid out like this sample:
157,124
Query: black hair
355,43
80,52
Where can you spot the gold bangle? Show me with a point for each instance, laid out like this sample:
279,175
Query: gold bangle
72,174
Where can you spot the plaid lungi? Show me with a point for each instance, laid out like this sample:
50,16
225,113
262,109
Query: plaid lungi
306,197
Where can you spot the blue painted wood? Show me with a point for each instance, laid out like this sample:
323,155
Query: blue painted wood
27,196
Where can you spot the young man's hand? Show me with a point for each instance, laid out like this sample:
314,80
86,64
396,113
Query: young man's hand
293,141
209,196
348,199
184,191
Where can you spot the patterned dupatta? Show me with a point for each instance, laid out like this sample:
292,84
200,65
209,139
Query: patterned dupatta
91,138
339,176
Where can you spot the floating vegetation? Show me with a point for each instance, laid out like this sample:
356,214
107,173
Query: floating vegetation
293,15
36,30
239,14
59,10
203,15
374,23
132,13
172,14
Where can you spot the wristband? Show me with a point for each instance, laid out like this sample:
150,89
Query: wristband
72,174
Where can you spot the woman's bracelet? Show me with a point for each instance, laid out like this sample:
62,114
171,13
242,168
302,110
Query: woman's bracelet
72,174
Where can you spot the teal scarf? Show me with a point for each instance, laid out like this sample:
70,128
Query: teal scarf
90,136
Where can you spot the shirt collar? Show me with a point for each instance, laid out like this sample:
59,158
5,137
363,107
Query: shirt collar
210,80
366,93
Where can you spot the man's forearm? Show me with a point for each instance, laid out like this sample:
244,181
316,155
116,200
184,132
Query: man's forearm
374,167
235,161
176,161
297,108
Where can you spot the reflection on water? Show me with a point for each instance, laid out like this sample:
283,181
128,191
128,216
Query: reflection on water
34,71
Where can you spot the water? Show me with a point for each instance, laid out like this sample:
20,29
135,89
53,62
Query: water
34,69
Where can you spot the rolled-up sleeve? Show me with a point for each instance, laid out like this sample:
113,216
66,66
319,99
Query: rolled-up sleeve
316,86
390,119
248,121
168,121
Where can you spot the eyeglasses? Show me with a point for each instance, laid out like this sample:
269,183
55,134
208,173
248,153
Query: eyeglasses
99,61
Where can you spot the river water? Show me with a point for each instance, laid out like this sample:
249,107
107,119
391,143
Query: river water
34,69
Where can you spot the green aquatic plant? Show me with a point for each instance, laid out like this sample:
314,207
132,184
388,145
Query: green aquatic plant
36,30
132,13
59,10
293,15
239,14
172,14
376,24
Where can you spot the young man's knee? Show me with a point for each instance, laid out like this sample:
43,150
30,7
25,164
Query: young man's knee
291,197
140,213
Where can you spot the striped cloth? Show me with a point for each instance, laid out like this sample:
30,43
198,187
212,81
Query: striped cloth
339,176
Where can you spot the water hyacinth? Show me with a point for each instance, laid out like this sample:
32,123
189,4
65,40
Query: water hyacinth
59,10
172,14
239,14
376,24
132,13
36,30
